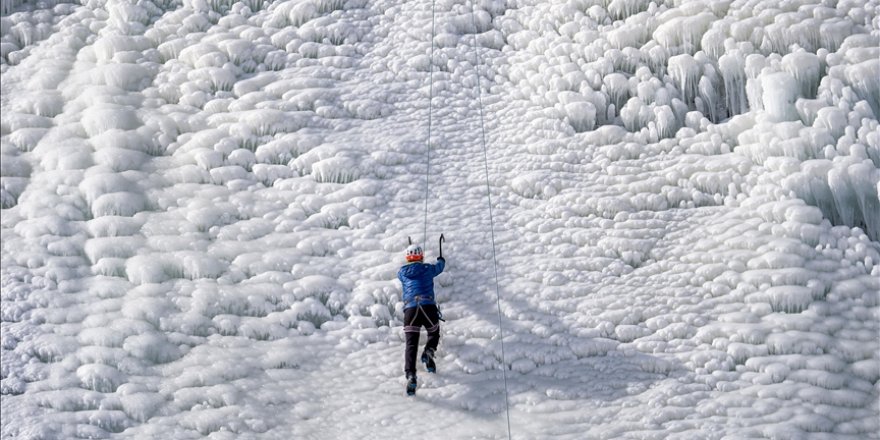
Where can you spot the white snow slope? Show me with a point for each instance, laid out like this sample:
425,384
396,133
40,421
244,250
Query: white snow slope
205,204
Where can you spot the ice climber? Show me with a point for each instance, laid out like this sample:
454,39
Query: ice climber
419,310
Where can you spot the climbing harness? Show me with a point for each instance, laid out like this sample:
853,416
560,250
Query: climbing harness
422,311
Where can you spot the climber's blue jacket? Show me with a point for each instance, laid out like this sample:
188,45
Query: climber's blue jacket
418,281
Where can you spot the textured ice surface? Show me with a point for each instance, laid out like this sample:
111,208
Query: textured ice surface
204,206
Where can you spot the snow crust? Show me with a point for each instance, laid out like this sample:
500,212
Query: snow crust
205,203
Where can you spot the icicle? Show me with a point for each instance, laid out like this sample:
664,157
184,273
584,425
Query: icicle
864,79
732,67
804,67
685,70
780,91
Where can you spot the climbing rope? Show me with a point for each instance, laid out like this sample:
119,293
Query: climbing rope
491,218
488,187
430,119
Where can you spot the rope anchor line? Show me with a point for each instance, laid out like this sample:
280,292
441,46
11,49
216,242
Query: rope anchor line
491,217
430,119
488,186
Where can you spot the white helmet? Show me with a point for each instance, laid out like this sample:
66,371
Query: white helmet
414,253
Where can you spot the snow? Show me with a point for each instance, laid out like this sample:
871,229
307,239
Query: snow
204,205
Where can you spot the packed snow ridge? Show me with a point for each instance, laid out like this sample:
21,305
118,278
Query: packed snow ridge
205,203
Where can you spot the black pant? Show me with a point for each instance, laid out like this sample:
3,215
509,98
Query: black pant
414,318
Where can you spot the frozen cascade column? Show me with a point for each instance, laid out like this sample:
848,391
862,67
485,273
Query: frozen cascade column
732,67
779,92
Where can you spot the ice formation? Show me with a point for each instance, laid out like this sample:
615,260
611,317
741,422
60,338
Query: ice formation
204,203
